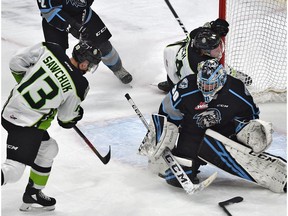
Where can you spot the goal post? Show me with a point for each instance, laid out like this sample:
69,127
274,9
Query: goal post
257,44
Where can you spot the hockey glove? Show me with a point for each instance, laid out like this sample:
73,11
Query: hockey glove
78,30
161,135
220,26
246,79
257,134
74,121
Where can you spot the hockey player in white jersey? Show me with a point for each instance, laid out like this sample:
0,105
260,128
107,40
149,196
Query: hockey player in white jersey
182,57
49,85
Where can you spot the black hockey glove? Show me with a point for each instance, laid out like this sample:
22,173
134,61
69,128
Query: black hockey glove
220,26
78,31
74,121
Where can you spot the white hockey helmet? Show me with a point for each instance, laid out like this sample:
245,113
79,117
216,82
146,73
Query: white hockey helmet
211,78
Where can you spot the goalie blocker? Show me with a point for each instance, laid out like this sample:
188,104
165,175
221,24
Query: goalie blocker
264,169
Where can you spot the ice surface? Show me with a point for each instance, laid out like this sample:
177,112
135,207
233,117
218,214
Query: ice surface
125,186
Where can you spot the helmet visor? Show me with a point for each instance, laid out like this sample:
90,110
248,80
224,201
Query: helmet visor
216,52
92,67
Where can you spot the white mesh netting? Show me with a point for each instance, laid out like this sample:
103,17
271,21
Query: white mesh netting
257,45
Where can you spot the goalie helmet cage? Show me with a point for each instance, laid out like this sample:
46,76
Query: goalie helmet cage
257,44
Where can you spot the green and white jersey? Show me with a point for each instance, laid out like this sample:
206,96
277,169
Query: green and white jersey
50,85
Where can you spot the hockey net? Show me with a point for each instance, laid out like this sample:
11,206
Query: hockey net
257,44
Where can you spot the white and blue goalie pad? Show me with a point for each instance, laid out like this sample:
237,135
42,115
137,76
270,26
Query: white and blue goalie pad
161,134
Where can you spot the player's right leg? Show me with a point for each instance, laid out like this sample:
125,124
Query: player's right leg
23,145
39,175
99,37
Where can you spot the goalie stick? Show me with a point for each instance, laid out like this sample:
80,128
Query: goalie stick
174,166
104,159
228,202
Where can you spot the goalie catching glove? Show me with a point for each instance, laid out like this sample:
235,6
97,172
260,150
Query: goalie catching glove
257,134
161,135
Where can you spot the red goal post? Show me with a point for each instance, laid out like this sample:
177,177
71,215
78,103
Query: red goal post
257,44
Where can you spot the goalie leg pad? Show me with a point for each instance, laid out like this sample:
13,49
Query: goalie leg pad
161,134
263,169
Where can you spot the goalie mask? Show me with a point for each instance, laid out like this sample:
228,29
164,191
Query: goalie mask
211,78
84,52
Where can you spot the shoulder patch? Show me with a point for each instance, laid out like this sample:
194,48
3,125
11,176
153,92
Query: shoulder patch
183,84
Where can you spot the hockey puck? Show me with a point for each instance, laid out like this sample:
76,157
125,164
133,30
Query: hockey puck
233,200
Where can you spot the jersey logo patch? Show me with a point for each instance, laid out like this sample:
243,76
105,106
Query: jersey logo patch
201,106
77,3
208,118
13,117
183,84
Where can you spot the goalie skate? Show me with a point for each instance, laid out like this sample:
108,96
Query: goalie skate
35,199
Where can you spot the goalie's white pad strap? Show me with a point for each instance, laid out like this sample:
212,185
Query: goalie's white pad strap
168,138
257,134
184,161
264,169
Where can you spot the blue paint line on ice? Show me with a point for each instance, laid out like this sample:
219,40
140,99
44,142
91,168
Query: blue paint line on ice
125,136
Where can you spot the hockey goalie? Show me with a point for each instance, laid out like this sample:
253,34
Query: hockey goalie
211,118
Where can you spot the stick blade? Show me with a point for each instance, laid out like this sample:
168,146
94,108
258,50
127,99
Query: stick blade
106,158
231,201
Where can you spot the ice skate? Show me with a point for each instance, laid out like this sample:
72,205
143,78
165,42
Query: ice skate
35,199
123,75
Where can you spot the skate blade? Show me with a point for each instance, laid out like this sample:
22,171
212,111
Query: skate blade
28,207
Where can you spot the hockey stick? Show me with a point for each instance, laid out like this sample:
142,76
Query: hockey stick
176,17
175,167
228,202
104,159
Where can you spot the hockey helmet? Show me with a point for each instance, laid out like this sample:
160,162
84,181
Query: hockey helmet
206,39
211,78
83,51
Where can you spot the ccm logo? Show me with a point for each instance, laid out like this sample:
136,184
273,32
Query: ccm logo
12,147
176,170
101,31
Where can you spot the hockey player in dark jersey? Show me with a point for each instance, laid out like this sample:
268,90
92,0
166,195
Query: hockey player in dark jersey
219,102
76,17
181,58
49,84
